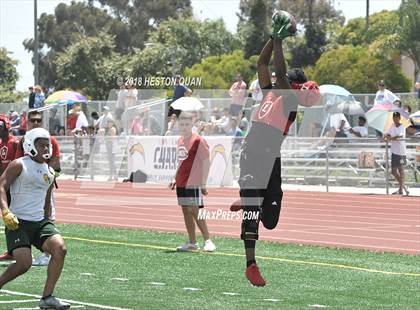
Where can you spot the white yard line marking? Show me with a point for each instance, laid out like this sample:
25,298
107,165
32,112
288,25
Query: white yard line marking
37,308
156,283
87,274
318,306
66,300
17,301
192,289
271,299
120,279
230,294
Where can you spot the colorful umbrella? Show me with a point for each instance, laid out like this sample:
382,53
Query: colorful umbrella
65,97
415,117
340,100
380,117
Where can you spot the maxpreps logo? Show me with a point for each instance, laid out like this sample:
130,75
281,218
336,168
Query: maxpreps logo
138,148
218,149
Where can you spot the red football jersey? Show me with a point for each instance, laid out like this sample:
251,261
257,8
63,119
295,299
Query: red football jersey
272,112
8,151
191,154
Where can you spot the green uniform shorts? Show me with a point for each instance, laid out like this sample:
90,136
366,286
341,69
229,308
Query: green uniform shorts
29,233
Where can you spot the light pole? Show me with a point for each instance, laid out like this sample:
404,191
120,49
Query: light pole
36,44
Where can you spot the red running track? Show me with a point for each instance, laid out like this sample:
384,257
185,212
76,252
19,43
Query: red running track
374,222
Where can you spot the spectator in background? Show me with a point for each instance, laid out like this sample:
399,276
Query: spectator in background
359,131
223,122
339,125
407,109
180,90
101,122
273,78
398,103
237,91
215,115
255,90
31,100
173,129
395,135
111,132
81,123
39,97
244,124
234,130
136,127
22,127
95,116
71,120
14,122
384,95
54,123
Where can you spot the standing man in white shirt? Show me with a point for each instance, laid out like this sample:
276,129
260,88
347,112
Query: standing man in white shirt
396,134
256,92
384,95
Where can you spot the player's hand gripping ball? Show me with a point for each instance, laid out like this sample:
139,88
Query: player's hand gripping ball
10,220
284,25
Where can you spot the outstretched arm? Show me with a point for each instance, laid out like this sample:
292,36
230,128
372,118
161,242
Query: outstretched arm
280,65
262,65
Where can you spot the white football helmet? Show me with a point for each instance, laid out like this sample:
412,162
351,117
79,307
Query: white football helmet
30,139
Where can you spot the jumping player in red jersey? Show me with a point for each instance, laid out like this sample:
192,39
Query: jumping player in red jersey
260,176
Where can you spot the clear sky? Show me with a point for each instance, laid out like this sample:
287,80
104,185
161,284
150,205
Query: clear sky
17,18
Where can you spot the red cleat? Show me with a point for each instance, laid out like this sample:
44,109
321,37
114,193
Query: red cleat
253,274
236,205
6,256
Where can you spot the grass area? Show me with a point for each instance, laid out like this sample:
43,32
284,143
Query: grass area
293,282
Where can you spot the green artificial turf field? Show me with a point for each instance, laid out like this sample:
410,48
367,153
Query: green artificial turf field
134,269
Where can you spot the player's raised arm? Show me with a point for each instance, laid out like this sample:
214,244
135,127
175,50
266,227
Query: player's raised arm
262,65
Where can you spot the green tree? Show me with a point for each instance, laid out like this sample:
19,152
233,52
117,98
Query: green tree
315,17
390,33
128,22
409,32
91,66
358,70
8,77
143,16
218,72
254,24
178,44
381,24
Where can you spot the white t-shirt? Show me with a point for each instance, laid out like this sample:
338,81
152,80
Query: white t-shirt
360,129
255,89
81,121
398,146
29,190
335,121
385,96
